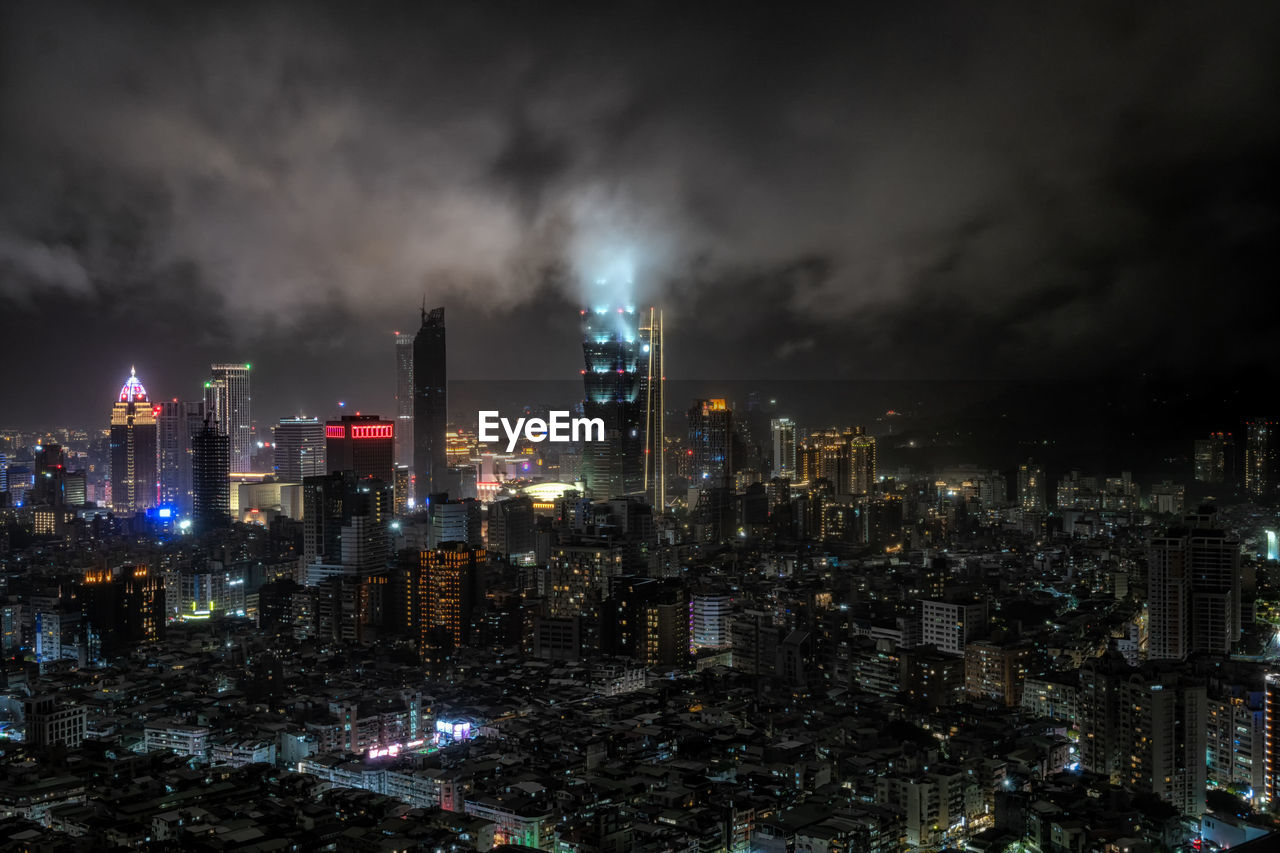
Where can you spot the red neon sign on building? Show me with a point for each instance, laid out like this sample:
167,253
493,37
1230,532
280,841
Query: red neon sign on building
371,431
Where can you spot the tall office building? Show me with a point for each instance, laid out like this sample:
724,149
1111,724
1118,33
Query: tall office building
404,400
784,448
401,486
653,389
711,443
511,530
210,478
49,484
176,425
611,350
1213,458
445,591
134,478
430,405
1260,471
300,448
344,523
454,521
363,444
1194,601
1032,491
227,400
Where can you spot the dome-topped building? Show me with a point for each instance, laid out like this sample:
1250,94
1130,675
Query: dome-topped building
134,476
132,391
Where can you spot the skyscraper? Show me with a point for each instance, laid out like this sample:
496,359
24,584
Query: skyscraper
404,400
1260,456
362,444
654,391
176,424
711,440
300,448
227,400
784,448
49,487
210,478
430,405
611,349
133,448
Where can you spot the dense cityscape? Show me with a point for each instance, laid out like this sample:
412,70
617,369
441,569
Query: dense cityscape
718,629
639,427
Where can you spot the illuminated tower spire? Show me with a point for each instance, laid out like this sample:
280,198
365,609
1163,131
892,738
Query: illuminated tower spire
654,386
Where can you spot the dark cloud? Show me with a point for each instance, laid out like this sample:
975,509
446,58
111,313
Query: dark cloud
913,190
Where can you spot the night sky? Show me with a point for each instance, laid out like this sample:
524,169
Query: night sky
931,191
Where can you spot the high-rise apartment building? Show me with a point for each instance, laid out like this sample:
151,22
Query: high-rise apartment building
1145,729
430,405
845,458
300,448
134,480
611,378
784,448
1214,457
1032,488
363,444
1260,470
227,401
862,462
210,478
1193,590
404,400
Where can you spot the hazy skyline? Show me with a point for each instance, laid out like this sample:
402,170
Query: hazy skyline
913,192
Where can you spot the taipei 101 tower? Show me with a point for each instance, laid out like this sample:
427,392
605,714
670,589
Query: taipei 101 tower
612,378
